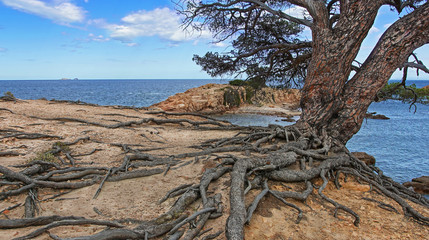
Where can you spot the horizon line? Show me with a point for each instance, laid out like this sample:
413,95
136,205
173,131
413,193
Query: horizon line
59,79
91,79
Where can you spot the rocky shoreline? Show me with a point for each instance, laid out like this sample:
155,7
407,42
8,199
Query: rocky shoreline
227,99
224,98
213,99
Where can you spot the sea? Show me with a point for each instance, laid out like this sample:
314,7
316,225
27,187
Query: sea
400,144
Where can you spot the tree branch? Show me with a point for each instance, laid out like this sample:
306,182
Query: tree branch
416,65
282,14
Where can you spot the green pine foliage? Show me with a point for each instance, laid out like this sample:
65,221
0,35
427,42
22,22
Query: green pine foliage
408,94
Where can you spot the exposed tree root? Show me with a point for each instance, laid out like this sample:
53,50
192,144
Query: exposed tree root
23,135
39,221
10,208
68,223
9,153
5,109
255,158
139,122
383,205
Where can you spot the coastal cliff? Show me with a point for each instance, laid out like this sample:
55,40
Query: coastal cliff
222,98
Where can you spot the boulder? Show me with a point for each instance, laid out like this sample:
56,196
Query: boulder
420,185
426,87
374,115
288,120
365,157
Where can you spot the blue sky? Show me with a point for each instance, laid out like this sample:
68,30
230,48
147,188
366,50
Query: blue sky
112,39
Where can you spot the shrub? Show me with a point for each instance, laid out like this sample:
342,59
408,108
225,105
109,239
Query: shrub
64,147
231,97
238,82
46,156
250,93
256,82
8,96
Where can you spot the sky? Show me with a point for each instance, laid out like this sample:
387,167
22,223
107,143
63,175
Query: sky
115,39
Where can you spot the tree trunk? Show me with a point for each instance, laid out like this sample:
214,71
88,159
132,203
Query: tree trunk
334,103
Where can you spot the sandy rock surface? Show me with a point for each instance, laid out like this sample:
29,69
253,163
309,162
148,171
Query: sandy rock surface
137,198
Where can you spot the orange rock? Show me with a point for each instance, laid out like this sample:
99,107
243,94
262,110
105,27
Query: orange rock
365,157
420,185
210,98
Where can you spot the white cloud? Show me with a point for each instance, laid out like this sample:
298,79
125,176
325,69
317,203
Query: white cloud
161,22
99,22
219,44
132,44
297,12
97,38
386,26
3,49
59,11
373,30
302,13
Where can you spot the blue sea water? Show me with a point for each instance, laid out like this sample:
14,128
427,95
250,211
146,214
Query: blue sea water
400,145
137,93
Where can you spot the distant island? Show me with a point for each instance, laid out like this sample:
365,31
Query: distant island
69,79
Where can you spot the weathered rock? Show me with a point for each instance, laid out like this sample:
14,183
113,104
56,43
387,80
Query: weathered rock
365,157
374,115
420,185
220,98
426,87
422,179
288,120
207,98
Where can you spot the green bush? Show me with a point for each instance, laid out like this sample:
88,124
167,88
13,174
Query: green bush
45,156
9,94
64,147
256,82
250,92
231,97
237,82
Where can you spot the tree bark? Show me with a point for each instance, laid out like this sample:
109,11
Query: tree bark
331,101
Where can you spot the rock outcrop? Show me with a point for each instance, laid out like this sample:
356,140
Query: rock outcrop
207,98
365,157
426,87
221,98
374,115
420,185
